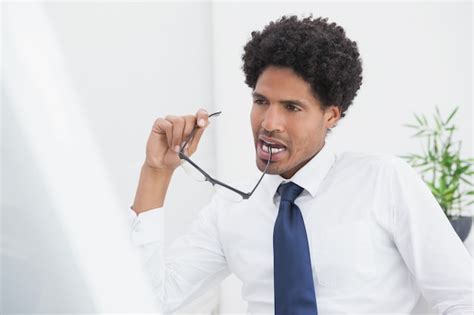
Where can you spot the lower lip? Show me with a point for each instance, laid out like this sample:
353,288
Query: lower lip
266,155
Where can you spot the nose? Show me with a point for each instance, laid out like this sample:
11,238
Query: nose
272,119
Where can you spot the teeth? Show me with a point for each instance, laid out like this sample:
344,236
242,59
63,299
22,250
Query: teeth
266,148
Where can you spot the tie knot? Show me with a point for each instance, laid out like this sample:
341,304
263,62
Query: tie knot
289,191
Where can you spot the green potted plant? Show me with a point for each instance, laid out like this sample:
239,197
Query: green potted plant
444,171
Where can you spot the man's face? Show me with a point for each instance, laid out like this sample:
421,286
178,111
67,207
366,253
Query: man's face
286,115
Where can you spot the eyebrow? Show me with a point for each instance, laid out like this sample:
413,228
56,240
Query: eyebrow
256,94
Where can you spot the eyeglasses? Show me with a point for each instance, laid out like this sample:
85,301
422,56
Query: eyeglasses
199,174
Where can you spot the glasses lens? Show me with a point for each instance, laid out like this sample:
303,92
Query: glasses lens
227,194
192,172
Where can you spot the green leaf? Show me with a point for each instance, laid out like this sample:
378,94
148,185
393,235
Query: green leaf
451,116
420,122
449,190
417,156
421,163
418,133
423,171
440,165
435,147
438,113
411,126
463,169
438,123
425,121
466,181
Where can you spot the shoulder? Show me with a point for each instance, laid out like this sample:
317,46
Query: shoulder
370,167
369,161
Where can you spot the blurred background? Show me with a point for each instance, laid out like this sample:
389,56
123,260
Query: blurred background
83,82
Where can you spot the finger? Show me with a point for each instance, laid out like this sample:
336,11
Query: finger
189,125
164,127
178,127
203,119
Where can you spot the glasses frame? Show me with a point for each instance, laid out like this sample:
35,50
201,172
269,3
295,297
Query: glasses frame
209,178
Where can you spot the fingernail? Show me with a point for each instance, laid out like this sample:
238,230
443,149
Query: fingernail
201,122
176,149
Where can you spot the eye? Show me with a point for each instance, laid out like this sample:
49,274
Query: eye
259,101
292,107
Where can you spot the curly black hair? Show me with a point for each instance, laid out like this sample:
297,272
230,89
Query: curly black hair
319,52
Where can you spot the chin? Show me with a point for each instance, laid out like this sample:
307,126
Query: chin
261,164
272,168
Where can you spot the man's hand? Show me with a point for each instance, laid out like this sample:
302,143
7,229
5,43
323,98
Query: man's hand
162,157
166,138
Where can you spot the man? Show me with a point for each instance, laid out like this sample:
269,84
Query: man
322,233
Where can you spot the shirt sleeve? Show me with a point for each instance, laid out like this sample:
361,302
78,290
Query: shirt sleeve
429,245
192,264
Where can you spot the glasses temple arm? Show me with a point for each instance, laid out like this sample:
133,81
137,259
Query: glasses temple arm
208,177
263,174
191,135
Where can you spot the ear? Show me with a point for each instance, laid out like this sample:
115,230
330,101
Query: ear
332,114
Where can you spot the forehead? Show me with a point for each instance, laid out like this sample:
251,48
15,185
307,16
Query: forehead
281,83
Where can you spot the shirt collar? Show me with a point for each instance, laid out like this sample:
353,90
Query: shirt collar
309,176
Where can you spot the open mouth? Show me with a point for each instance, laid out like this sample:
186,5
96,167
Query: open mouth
265,146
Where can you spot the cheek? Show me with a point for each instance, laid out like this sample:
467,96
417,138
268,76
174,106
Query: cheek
254,119
308,141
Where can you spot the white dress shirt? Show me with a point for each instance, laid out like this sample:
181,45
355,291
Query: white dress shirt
378,240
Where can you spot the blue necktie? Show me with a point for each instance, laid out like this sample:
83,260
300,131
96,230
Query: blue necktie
294,287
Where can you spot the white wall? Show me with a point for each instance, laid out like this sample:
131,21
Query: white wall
132,62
